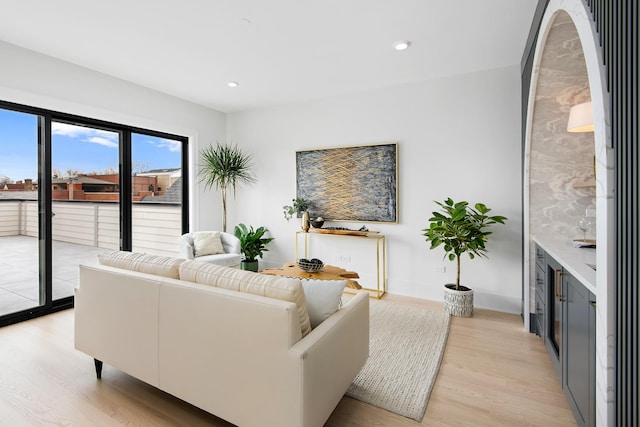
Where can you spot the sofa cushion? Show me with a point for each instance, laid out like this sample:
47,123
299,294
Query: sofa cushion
225,260
207,243
282,288
323,298
152,264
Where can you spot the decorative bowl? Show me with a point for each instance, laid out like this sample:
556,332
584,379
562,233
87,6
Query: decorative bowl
310,265
317,223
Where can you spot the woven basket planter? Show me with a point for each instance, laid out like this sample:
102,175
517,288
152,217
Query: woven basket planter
458,303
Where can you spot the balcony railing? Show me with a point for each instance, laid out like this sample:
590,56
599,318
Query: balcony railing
156,227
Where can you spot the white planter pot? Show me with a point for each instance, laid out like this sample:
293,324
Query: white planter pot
458,303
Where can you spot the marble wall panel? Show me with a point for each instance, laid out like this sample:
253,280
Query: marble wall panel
560,158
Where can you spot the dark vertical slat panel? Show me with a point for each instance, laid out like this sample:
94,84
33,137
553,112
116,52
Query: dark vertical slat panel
633,115
624,135
621,203
607,31
617,24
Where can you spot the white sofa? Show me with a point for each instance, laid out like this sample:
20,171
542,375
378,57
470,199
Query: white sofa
223,346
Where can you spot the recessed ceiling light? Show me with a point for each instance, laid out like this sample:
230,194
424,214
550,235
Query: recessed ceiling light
232,84
402,45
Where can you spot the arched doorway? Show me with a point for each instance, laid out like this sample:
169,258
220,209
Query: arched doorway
565,174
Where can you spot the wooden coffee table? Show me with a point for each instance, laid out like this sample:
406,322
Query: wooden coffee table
328,272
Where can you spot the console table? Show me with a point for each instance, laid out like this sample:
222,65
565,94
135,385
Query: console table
369,248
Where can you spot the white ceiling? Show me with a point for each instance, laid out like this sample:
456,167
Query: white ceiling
279,51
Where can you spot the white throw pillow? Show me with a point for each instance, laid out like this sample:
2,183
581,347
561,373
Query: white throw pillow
323,298
207,243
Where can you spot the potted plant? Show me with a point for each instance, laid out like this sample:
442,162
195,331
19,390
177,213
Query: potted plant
252,245
460,229
225,166
299,206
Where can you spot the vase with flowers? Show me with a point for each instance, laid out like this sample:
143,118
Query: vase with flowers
298,207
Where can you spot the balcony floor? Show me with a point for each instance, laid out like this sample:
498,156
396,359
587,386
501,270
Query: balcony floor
19,289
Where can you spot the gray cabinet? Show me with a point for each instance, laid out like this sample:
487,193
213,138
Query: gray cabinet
565,318
554,331
541,292
578,378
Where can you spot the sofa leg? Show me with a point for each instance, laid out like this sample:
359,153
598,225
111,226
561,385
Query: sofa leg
98,364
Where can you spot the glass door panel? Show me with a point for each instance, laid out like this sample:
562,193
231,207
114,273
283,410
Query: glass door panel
85,200
19,259
156,196
61,202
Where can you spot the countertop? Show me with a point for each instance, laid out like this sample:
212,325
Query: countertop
575,260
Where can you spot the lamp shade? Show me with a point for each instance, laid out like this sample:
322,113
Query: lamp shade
581,118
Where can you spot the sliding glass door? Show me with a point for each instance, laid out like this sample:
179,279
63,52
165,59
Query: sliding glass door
156,196
72,188
19,254
85,203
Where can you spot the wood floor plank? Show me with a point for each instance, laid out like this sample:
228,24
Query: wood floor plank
493,374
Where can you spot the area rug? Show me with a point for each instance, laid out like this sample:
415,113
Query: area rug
405,351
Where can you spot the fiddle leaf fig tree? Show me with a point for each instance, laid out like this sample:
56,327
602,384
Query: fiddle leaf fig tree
460,229
225,167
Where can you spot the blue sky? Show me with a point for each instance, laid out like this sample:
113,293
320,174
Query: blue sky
75,148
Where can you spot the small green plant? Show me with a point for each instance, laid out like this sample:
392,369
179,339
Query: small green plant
252,242
461,228
298,206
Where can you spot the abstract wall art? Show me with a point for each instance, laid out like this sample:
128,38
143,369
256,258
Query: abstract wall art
354,184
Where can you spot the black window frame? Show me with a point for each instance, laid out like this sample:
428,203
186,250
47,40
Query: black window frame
45,118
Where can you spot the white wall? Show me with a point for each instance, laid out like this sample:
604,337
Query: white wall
458,136
41,81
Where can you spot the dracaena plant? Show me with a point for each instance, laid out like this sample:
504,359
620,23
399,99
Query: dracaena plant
225,167
460,228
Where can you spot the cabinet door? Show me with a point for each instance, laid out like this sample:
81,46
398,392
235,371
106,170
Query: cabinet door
541,283
540,317
541,292
554,301
540,257
579,350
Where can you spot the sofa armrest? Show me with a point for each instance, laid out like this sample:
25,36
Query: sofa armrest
185,243
333,354
230,243
116,319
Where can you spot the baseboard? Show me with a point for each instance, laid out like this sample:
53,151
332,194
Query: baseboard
495,302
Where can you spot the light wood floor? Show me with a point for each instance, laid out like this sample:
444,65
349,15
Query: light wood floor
493,374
